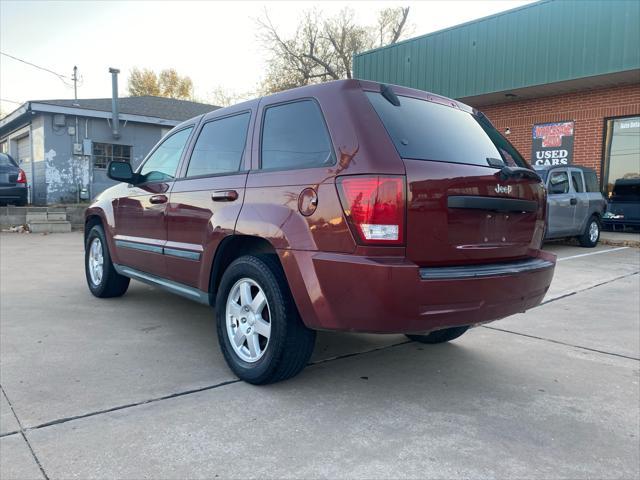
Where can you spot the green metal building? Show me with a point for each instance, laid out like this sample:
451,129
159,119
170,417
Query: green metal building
553,65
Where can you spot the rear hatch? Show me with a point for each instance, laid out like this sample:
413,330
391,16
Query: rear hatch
8,171
471,197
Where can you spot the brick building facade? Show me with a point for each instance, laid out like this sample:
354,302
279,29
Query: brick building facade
589,109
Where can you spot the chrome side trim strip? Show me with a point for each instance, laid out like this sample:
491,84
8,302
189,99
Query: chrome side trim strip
174,252
169,285
145,247
493,269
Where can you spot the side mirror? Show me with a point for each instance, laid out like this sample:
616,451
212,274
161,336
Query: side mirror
121,172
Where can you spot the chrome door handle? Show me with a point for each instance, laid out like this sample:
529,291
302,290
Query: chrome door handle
158,199
224,196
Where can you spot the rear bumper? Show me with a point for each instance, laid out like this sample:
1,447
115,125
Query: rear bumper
390,295
611,222
13,193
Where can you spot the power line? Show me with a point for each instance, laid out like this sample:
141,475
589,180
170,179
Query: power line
60,76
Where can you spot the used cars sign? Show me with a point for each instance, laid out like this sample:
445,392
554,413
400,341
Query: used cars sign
552,143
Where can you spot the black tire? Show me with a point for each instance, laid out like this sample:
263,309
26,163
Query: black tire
112,284
439,336
290,342
585,239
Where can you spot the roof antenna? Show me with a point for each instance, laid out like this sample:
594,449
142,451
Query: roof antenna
391,97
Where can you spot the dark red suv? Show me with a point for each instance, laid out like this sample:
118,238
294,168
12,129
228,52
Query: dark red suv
349,205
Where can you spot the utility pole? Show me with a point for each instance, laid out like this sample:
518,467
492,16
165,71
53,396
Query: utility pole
75,83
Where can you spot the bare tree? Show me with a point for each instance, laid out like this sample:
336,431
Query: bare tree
322,48
223,97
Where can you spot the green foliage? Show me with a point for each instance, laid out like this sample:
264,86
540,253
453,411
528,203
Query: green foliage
166,84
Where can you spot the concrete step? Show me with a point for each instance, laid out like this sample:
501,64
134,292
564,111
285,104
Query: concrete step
57,216
49,226
36,217
12,216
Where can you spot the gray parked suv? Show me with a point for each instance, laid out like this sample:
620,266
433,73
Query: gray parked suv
574,203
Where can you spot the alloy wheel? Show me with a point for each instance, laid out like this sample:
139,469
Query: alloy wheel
96,261
594,232
248,320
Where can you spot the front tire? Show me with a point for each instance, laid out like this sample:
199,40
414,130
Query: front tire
102,278
260,331
591,234
440,336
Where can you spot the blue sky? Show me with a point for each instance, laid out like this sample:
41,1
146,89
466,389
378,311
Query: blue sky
212,42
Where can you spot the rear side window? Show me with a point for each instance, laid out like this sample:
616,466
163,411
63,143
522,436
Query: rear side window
592,181
220,146
294,135
578,185
559,183
425,130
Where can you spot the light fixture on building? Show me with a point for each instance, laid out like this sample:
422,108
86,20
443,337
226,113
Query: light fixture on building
507,131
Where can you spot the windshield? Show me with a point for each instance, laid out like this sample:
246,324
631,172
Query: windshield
425,130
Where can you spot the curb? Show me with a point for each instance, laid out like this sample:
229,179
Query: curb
620,243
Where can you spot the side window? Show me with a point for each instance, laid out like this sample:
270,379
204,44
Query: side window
558,183
578,183
592,181
219,146
163,163
294,135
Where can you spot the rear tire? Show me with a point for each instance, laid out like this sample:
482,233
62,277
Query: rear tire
255,311
591,234
102,278
439,336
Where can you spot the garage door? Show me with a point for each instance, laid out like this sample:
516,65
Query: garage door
24,149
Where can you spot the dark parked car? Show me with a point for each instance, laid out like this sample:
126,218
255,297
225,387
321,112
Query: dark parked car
13,182
347,206
575,204
624,205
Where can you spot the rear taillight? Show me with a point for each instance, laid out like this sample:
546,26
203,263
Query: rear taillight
22,177
374,207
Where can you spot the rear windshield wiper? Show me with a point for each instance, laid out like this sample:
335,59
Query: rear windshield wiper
511,172
388,94
507,172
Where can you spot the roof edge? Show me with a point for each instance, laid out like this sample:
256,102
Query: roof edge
453,27
86,112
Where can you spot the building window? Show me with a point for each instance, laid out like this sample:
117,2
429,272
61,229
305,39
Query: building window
622,151
103,153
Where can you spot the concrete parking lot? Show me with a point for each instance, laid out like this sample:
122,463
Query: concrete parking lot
136,387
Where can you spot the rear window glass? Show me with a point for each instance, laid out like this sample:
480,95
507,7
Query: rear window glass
425,130
7,161
626,190
592,181
294,135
